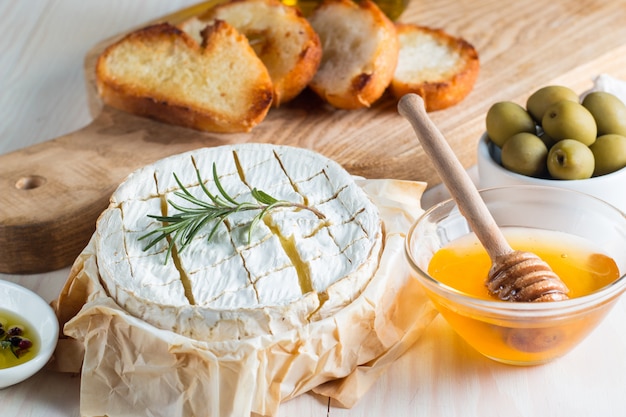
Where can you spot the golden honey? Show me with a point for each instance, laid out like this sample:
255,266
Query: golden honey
464,265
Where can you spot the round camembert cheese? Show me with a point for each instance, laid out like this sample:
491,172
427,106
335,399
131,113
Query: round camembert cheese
291,268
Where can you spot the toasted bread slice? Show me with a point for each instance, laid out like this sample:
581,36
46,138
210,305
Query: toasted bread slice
439,67
282,38
161,72
359,53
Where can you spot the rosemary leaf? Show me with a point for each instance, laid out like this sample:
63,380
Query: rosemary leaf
181,228
262,197
218,184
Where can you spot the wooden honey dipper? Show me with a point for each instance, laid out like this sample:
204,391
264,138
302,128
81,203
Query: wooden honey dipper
514,275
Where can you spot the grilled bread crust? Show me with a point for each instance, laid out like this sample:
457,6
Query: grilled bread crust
439,67
359,53
218,85
282,38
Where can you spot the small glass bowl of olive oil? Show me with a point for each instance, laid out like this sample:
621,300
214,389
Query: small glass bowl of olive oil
29,331
581,237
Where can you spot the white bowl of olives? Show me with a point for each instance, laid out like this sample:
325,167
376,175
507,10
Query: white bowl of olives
29,331
560,140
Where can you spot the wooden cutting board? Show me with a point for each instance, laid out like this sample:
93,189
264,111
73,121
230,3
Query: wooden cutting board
52,193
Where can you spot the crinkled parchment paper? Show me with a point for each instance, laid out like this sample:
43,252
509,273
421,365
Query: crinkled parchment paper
130,367
609,84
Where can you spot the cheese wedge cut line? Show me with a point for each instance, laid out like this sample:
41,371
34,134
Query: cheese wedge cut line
242,288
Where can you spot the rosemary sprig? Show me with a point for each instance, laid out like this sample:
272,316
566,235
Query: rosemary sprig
183,226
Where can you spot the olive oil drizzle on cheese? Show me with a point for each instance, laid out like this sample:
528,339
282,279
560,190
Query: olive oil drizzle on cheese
303,270
242,175
287,243
267,202
305,199
184,279
289,247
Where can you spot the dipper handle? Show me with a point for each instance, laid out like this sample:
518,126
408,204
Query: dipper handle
454,176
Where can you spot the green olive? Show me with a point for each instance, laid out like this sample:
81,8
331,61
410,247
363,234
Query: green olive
505,119
568,120
547,139
526,154
609,152
570,159
608,111
543,98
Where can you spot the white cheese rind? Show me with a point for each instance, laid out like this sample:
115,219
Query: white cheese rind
242,284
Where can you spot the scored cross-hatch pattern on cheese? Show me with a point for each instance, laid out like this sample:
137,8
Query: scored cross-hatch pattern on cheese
295,268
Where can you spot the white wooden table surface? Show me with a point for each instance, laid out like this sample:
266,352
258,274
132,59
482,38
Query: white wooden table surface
42,96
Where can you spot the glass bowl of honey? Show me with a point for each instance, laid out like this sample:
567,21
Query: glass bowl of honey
581,237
